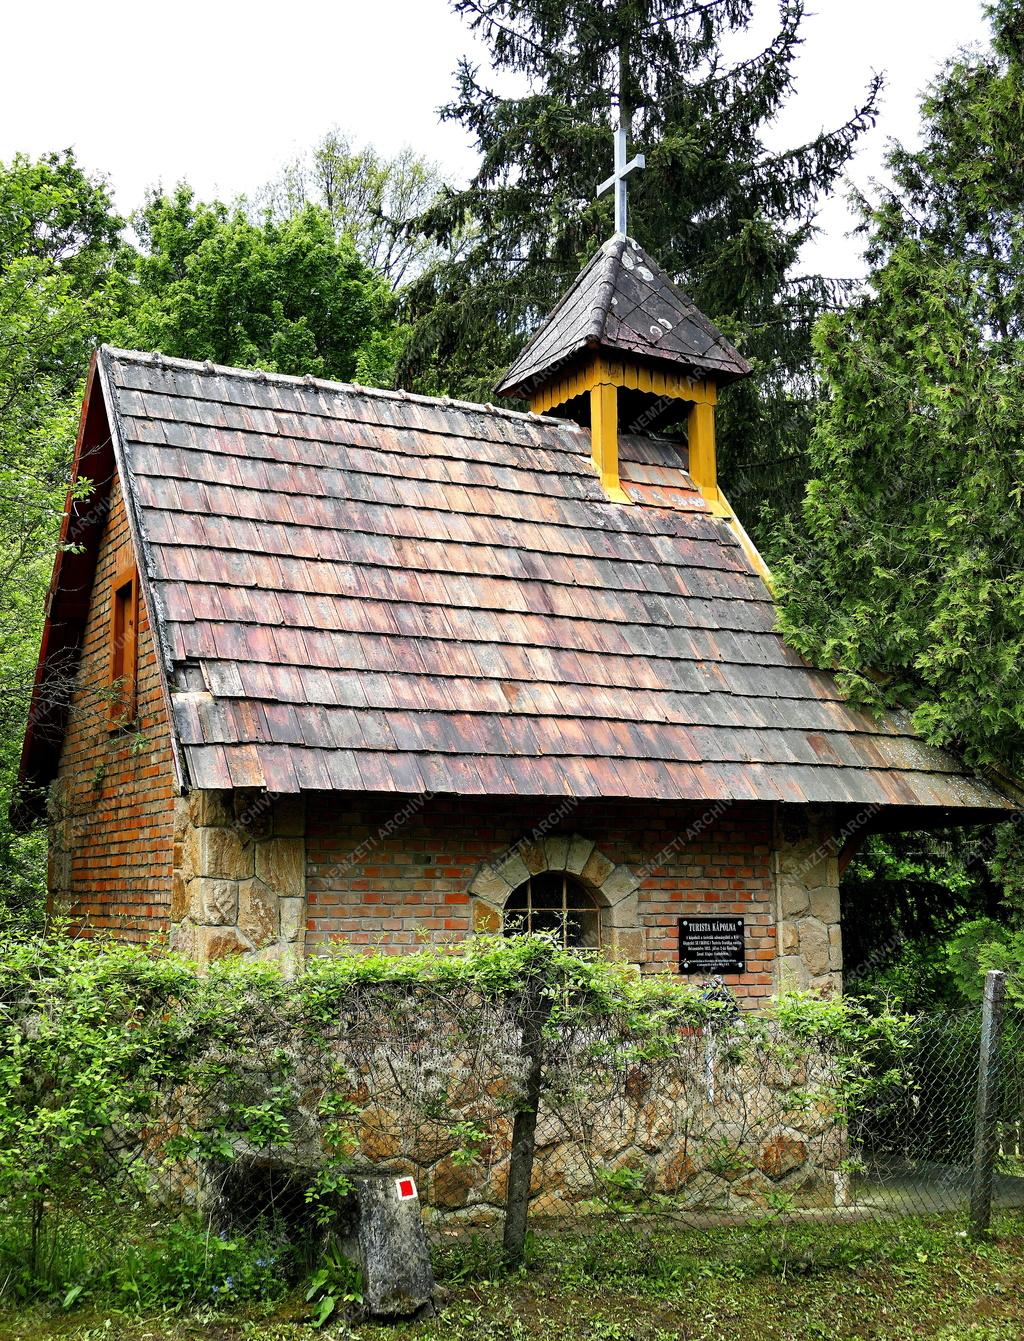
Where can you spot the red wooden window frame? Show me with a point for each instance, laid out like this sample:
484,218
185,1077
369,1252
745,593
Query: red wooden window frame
124,648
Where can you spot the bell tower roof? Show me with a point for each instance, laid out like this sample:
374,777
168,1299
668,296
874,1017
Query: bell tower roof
624,305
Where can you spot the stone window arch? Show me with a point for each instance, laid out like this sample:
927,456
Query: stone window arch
611,886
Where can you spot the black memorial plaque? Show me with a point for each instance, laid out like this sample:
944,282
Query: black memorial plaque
712,945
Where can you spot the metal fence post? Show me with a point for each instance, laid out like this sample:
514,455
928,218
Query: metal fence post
987,1110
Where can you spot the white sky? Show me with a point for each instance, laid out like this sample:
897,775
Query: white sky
223,92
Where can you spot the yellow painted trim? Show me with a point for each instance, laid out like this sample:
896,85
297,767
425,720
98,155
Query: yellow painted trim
746,544
601,377
625,373
604,439
700,434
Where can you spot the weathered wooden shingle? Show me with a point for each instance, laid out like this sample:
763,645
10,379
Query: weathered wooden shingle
393,593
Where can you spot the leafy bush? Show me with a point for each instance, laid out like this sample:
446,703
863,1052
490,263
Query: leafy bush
985,944
89,1034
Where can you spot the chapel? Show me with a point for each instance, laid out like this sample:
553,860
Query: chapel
332,667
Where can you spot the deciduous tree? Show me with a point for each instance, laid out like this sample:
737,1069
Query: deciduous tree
370,198
58,237
288,296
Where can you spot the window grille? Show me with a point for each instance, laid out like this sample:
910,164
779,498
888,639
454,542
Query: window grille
555,903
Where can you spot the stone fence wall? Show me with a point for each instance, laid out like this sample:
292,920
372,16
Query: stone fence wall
738,1121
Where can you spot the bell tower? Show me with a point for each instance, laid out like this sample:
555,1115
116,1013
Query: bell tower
625,339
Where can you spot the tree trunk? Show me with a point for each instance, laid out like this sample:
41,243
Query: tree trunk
536,1008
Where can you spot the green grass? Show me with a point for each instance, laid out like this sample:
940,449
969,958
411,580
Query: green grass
657,1283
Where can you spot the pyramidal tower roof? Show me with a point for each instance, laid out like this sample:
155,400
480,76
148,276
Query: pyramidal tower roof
624,303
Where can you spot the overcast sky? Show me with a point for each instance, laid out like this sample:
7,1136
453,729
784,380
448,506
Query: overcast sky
222,92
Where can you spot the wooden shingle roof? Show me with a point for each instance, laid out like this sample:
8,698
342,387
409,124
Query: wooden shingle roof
364,590
622,302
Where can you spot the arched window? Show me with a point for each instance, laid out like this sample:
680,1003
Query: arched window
556,903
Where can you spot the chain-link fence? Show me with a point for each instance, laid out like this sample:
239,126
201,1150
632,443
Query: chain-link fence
553,1101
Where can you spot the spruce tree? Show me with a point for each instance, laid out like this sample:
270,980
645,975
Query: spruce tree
723,214
905,570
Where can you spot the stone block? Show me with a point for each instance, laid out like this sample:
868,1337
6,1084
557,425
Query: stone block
824,904
534,857
793,975
753,1188
781,1155
814,949
513,870
184,940
488,884
835,947
388,1242
451,1183
579,853
794,898
289,958
216,901
281,865
293,918
222,853
556,849
597,869
258,913
677,1172
380,1139
790,939
429,1141
486,918
628,944
624,913
496,1188
564,1170
618,884
186,855
208,810
182,819
654,1126
813,866
218,943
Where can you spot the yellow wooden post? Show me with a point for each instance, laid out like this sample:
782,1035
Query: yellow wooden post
604,439
604,433
700,432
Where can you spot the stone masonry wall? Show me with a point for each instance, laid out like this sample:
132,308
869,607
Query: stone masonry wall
112,802
806,869
239,877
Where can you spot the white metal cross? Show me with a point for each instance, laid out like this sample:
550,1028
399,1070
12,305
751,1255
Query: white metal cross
618,177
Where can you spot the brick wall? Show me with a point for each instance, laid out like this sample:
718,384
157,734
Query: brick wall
111,839
389,874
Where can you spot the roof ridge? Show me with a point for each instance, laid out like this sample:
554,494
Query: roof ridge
157,359
611,254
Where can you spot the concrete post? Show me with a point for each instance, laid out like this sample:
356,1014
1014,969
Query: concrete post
987,1109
